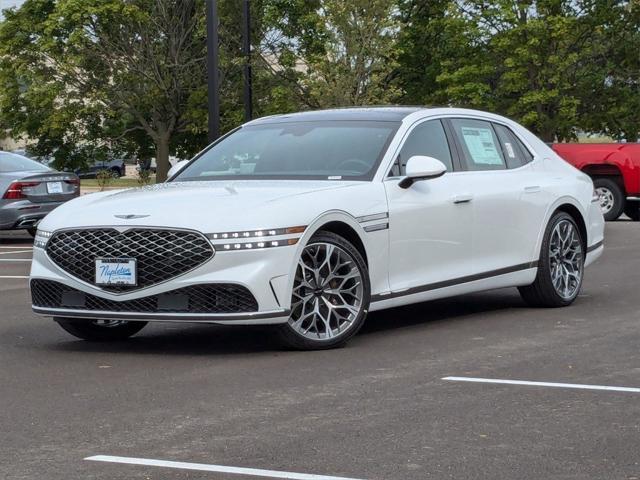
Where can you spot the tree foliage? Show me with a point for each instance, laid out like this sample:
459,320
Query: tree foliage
81,78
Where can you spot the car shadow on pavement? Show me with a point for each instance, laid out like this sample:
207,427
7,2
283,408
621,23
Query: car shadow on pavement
190,339
426,314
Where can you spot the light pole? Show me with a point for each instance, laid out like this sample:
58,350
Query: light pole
246,51
213,90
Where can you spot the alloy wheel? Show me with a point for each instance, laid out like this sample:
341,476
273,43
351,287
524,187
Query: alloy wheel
566,259
607,199
327,292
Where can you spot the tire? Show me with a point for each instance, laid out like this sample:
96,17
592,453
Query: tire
612,201
94,331
309,302
632,210
115,173
544,292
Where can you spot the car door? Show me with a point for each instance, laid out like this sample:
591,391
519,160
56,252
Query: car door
505,190
430,223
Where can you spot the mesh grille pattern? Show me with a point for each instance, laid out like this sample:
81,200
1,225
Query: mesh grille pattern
160,254
208,298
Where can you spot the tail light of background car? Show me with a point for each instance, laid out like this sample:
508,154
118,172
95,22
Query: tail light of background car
73,181
16,190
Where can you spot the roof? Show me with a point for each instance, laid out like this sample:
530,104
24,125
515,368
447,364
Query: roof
392,113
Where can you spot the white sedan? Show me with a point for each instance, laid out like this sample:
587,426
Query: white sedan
308,221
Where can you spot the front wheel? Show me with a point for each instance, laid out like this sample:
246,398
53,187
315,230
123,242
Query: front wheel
100,330
560,267
330,297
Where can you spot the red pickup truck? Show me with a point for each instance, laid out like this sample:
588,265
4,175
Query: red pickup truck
615,170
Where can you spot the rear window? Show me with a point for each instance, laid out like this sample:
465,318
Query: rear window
11,162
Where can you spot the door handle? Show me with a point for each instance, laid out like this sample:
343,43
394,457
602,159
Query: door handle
532,189
464,198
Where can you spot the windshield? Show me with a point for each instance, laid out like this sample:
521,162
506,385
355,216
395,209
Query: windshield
329,150
11,162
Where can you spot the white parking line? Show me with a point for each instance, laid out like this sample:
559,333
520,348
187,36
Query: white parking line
14,276
543,384
15,259
203,467
4,247
15,252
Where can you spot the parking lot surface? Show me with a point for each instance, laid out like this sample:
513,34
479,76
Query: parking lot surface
225,397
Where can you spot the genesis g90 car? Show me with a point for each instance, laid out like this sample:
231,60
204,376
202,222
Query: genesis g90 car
309,221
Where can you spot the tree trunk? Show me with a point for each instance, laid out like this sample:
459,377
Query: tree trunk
162,158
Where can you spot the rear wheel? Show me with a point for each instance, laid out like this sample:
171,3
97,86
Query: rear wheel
560,267
100,330
612,201
115,173
330,296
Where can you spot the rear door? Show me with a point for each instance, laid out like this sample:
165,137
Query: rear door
507,205
430,223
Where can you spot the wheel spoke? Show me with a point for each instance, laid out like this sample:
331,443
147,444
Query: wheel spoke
327,293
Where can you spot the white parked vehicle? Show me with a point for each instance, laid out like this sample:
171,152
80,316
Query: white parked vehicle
308,221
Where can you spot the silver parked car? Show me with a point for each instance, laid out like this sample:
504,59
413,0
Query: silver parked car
30,190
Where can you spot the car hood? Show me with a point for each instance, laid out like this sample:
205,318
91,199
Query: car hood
215,206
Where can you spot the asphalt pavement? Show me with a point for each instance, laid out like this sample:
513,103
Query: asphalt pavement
229,397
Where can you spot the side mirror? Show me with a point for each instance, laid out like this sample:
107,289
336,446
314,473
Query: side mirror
420,167
176,168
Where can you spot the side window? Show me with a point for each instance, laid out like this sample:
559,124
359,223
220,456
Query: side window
480,146
513,149
427,139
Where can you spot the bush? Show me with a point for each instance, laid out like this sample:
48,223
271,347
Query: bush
144,177
104,177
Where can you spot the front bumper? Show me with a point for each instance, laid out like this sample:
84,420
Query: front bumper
264,273
258,318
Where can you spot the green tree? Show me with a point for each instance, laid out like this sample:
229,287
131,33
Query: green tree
334,53
610,87
101,70
557,66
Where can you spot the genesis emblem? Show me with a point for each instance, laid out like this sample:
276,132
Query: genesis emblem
131,217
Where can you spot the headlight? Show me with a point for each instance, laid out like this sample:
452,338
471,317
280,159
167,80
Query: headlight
256,239
41,238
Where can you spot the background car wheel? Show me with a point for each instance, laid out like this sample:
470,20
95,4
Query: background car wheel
560,267
115,173
632,210
100,330
611,197
32,231
330,297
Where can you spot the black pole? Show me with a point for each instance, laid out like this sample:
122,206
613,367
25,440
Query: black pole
246,51
213,101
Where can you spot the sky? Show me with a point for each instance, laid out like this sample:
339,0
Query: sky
8,4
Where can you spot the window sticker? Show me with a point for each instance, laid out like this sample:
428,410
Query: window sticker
510,151
481,146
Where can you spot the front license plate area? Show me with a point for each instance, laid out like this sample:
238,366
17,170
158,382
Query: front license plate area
54,187
116,271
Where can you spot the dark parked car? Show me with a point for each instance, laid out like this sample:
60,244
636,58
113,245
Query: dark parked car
115,166
30,190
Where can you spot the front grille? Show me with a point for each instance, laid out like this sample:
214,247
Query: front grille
160,254
206,298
